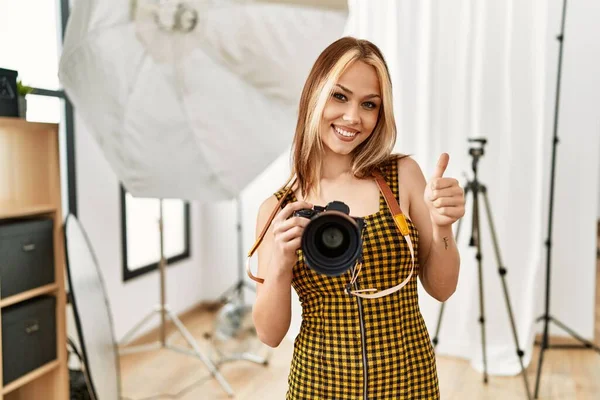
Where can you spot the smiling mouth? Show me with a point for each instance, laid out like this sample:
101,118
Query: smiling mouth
345,133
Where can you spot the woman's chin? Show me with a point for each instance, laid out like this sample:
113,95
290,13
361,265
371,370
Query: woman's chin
339,150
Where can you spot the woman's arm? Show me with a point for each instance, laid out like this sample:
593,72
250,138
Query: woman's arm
438,255
272,311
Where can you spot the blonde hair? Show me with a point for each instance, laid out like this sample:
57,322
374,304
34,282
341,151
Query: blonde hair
307,147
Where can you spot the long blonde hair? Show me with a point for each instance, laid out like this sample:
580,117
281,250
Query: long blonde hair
307,147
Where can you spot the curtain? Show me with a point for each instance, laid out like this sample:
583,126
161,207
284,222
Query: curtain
462,69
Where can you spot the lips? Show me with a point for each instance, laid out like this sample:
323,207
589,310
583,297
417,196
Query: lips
344,134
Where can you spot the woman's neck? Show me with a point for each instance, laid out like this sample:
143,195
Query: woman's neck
336,166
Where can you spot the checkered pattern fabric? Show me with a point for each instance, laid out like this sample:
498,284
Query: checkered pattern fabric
328,361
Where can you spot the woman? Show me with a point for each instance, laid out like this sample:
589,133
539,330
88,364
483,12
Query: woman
351,347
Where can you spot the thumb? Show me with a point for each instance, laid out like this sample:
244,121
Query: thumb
441,166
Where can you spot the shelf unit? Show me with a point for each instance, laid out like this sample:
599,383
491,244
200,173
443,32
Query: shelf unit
30,188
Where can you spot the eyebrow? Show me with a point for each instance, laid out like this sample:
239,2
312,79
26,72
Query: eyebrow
345,89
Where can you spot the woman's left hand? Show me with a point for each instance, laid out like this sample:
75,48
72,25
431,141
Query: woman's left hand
444,196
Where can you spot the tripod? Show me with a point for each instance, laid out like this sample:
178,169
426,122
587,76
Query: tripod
547,318
476,188
165,312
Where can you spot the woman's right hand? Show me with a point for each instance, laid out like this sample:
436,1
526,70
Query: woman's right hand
287,232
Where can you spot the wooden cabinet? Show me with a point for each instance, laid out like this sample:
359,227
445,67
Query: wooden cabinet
30,188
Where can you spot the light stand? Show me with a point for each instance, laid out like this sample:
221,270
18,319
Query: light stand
235,294
238,287
476,188
547,318
166,313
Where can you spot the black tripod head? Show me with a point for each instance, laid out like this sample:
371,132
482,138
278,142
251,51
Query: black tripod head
476,151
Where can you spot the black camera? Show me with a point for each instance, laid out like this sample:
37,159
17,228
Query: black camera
477,149
332,240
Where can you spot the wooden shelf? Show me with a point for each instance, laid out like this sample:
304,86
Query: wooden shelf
14,211
30,186
24,125
30,294
30,377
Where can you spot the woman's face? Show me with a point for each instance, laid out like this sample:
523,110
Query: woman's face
351,113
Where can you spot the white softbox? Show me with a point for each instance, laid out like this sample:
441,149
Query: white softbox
193,100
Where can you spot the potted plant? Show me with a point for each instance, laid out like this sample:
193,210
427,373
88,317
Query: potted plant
23,91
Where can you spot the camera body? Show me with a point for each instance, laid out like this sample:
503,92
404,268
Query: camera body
316,210
332,241
477,150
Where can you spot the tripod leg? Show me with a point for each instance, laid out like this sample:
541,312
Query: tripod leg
133,331
437,329
502,272
543,348
228,294
476,234
586,343
198,353
439,321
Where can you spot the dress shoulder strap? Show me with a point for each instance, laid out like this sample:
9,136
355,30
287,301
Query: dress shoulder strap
281,193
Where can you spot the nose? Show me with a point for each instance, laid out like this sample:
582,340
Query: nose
351,115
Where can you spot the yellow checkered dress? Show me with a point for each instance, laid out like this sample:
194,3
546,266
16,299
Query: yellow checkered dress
329,362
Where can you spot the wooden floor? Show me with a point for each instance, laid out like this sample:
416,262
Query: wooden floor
567,374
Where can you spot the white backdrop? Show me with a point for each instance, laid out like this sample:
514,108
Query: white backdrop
463,69
460,69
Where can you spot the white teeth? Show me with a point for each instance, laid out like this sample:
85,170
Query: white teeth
344,133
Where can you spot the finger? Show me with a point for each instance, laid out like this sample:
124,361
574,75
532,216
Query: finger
454,212
447,202
447,192
294,244
442,163
286,225
443,183
291,234
289,209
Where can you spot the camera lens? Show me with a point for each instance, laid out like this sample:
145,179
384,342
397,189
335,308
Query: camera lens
331,240
332,237
331,243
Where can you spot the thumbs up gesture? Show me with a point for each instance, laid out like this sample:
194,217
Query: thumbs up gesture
444,196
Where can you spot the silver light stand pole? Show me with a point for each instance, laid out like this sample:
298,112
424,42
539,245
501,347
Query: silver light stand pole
238,287
165,313
235,293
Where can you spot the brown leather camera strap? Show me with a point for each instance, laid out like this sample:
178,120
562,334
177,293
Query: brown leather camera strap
392,204
265,228
402,226
399,220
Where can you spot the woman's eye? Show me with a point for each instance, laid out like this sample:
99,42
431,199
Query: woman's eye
370,105
339,96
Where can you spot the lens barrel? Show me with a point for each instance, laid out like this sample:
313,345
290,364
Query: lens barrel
332,242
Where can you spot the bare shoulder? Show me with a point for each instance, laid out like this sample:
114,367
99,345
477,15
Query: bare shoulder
267,206
269,202
411,184
409,171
